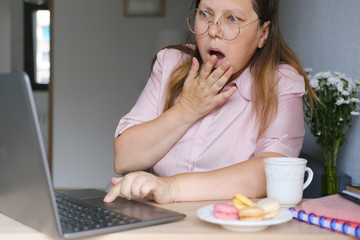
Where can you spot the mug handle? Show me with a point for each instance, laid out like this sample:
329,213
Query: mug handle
309,178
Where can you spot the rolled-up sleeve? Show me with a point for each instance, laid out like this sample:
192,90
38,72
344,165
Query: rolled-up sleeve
150,103
286,133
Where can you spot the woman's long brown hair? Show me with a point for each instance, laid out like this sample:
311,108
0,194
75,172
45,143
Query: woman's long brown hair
264,64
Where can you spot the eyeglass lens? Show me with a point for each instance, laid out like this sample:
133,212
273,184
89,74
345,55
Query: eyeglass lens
199,23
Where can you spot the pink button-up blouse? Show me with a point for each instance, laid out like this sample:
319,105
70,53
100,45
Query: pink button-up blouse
228,134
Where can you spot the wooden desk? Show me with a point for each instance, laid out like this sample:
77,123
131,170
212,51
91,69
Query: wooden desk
191,227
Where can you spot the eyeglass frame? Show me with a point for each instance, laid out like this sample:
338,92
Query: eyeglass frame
217,24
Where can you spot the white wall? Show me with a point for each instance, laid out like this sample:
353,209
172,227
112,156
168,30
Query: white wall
11,35
5,36
17,35
101,63
325,35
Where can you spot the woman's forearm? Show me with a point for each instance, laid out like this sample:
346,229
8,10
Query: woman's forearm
143,145
247,178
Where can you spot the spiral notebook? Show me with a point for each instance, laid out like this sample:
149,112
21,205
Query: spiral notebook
333,206
333,224
331,212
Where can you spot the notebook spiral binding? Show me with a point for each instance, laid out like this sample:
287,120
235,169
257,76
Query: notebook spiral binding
335,225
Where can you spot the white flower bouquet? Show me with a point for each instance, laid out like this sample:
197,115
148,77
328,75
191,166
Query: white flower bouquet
331,117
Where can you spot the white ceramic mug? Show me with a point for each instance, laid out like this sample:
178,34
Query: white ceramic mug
285,179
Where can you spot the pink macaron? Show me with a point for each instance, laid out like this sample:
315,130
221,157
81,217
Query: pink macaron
225,211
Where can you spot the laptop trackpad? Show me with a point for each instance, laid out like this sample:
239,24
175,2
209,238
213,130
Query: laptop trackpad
132,208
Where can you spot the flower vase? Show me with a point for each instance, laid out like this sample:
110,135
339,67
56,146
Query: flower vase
330,179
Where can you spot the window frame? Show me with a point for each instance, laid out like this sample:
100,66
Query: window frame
29,44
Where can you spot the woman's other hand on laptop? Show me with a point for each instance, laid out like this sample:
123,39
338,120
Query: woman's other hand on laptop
142,185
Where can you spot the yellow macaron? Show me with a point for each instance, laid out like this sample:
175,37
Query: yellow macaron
240,201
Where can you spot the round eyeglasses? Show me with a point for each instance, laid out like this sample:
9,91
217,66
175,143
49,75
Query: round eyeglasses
228,26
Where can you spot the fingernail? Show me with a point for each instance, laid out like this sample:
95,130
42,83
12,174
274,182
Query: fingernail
193,61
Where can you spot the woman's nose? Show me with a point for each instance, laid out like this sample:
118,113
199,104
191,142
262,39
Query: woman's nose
214,29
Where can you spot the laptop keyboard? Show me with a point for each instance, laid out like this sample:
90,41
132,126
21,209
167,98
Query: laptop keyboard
75,217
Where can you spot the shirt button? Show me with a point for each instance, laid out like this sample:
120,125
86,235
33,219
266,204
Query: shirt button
198,141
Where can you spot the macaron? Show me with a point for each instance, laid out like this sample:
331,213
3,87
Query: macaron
251,213
271,207
240,201
225,211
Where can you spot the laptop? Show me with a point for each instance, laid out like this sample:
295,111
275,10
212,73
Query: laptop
26,190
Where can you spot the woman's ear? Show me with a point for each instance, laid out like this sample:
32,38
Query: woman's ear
264,32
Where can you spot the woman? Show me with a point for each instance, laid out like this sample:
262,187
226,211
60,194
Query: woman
212,111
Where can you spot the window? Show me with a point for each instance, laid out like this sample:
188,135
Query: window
37,44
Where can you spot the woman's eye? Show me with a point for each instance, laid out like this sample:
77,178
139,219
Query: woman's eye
232,19
204,14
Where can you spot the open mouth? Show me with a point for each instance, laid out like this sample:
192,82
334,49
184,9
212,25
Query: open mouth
217,53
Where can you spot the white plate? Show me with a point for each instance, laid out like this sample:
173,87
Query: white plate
206,214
